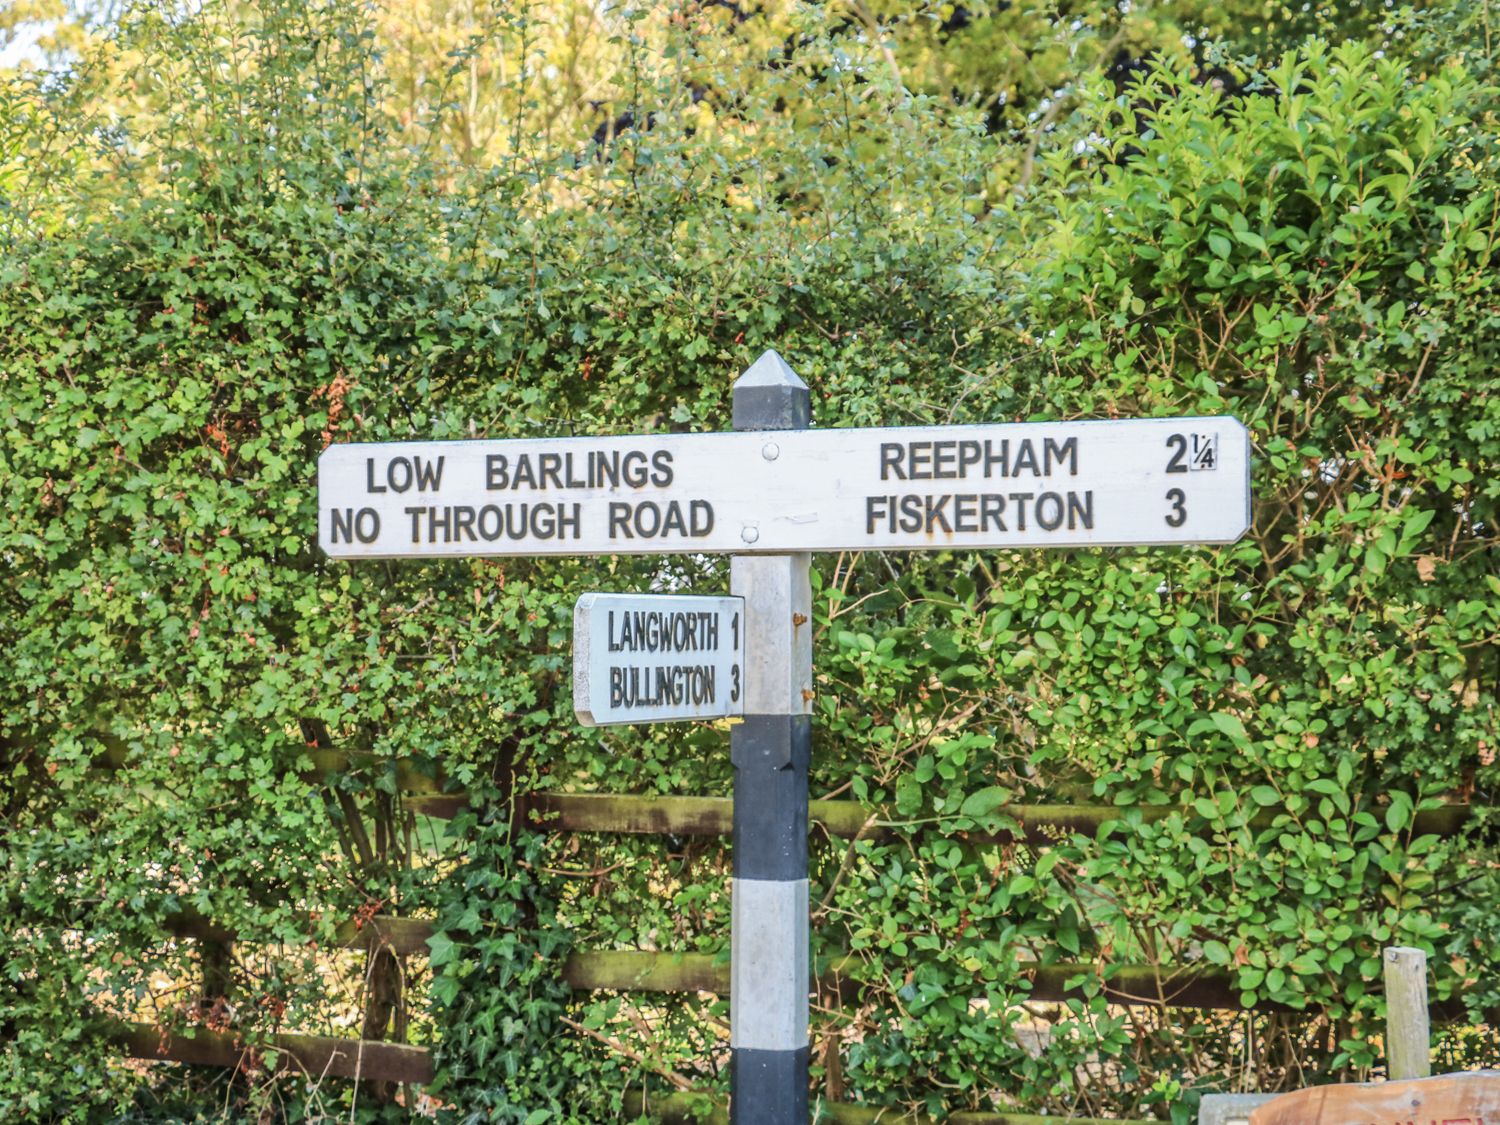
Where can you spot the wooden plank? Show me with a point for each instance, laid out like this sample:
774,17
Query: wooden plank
385,931
443,806
308,1054
1135,985
634,814
400,935
1408,1038
412,776
629,813
713,816
632,971
704,1109
1185,986
1453,1099
1182,986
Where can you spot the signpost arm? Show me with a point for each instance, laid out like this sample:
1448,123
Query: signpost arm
770,750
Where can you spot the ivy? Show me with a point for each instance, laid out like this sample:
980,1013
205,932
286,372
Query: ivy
496,957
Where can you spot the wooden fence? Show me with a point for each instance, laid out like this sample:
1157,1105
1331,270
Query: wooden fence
1194,986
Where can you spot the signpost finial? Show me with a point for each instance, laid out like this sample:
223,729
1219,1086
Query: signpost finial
770,396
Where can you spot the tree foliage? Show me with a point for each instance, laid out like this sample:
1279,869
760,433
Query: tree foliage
238,233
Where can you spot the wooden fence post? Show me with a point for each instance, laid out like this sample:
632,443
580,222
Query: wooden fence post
1408,1049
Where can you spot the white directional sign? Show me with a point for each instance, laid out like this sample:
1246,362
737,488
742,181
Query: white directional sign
1040,484
644,658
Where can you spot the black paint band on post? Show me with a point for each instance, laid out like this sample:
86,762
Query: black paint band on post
771,755
780,1079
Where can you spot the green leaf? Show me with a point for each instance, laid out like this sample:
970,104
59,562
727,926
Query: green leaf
1399,814
908,795
1252,240
1230,725
441,949
445,989
984,801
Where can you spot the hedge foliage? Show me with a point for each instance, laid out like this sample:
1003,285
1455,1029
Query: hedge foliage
223,253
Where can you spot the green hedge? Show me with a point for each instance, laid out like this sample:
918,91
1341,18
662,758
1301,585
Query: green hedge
198,293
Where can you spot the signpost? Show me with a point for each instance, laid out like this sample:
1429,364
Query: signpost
771,751
657,658
769,494
1039,484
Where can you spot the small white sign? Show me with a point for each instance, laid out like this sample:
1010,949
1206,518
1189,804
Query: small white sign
654,658
1038,484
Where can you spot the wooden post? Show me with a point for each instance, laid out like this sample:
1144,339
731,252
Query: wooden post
217,958
1408,1049
770,749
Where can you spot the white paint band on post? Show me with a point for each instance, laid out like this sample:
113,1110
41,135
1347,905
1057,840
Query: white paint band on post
768,986
776,590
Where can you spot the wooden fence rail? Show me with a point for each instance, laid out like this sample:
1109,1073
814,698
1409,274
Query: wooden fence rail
1191,985
1173,986
651,814
712,816
313,1055
704,1109
1185,986
1188,986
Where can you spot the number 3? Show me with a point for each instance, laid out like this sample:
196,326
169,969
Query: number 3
1178,515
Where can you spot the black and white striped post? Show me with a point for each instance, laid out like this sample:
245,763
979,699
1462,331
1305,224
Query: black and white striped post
770,749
